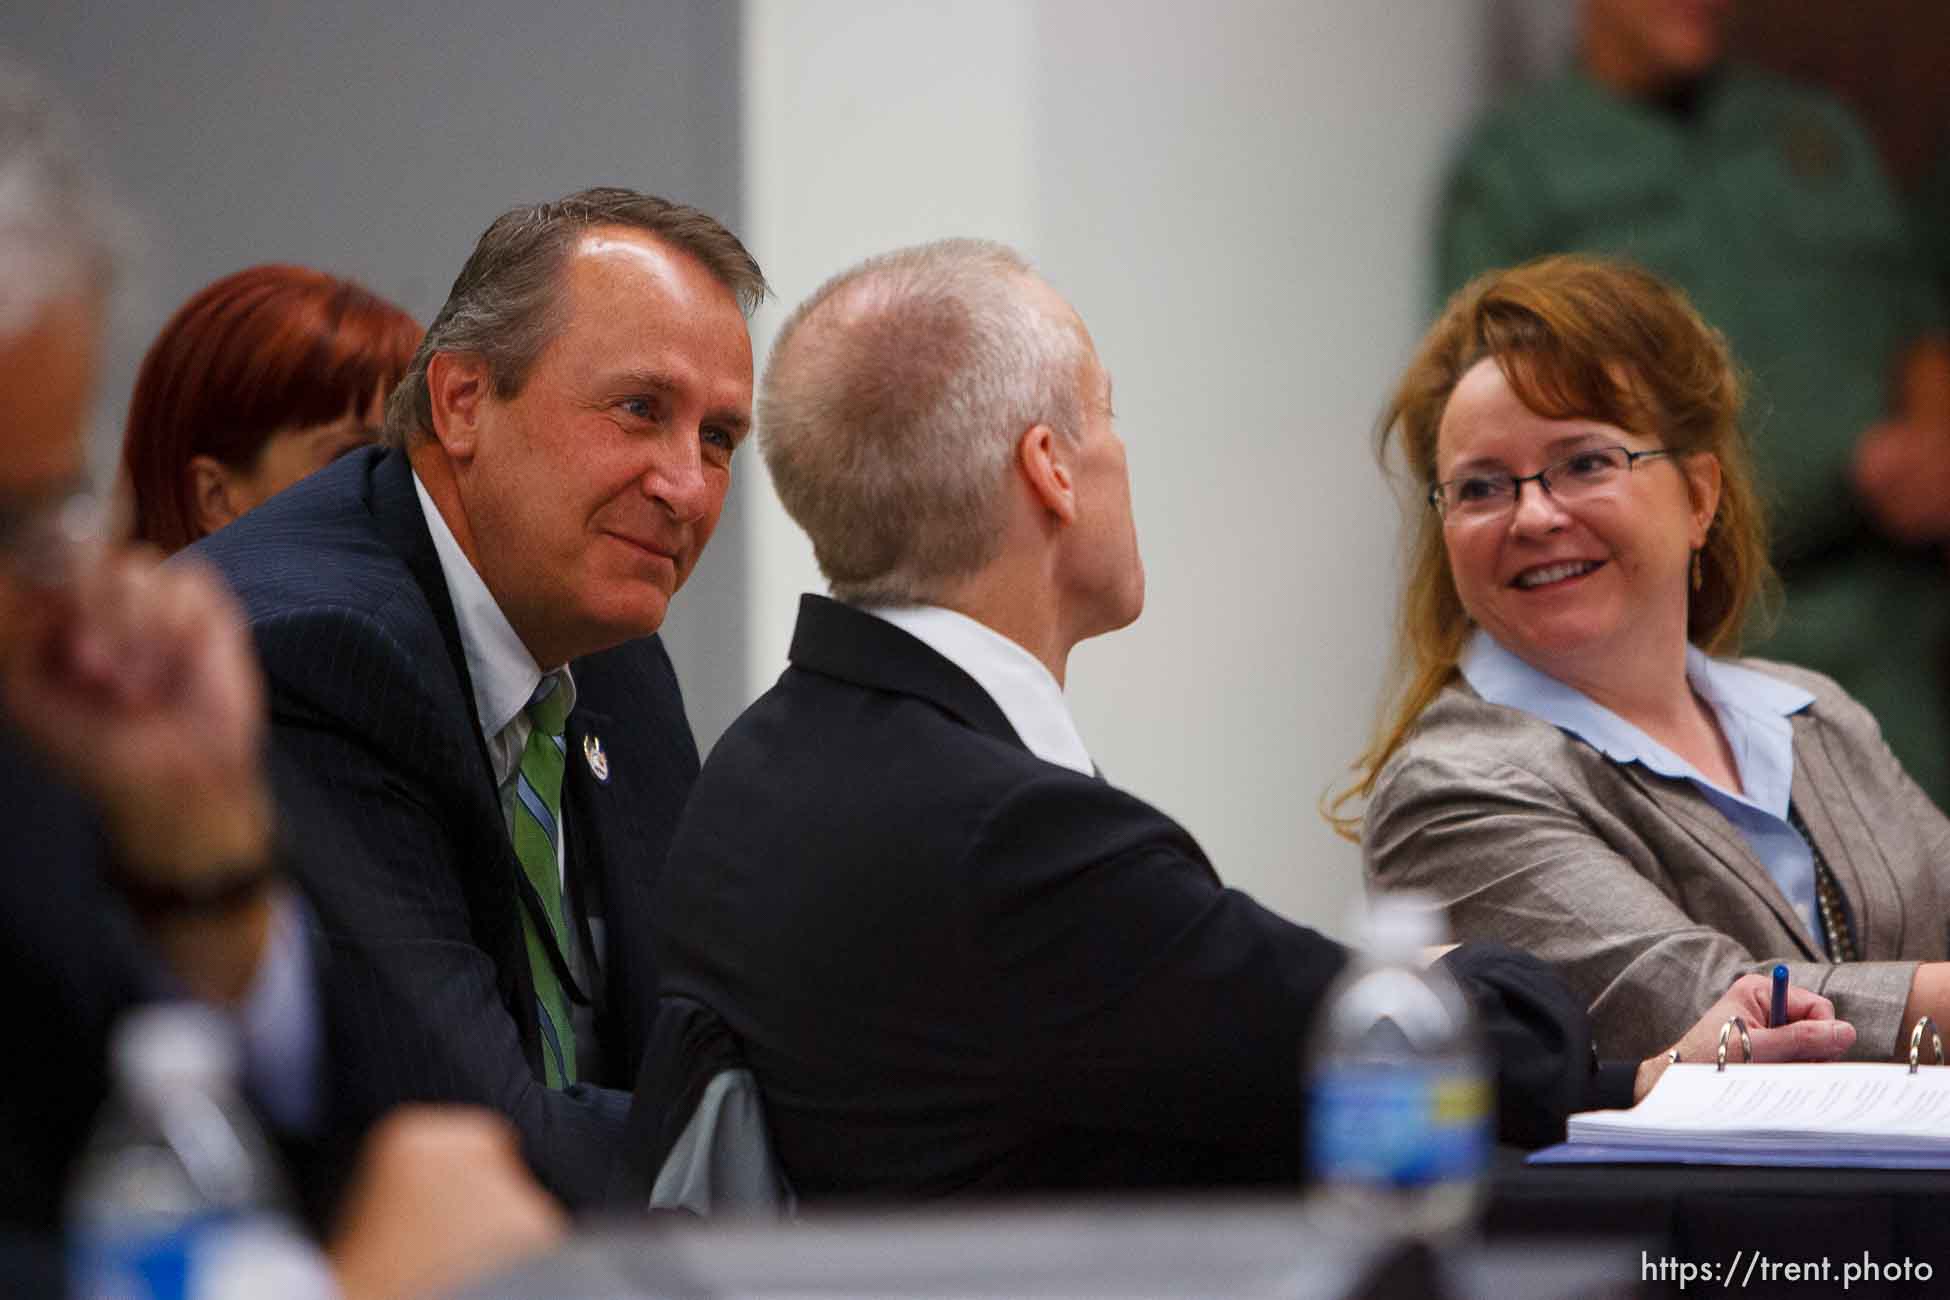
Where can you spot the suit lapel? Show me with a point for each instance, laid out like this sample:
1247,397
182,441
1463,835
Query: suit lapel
620,823
837,641
1847,843
395,507
1689,809
588,819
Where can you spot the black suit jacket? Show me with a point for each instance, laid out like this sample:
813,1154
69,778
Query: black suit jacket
956,967
385,781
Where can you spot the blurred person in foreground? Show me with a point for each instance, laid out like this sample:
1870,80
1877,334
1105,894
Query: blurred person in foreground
1766,202
959,961
140,862
475,732
1574,764
261,378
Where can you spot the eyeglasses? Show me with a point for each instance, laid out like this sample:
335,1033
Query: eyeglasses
1581,475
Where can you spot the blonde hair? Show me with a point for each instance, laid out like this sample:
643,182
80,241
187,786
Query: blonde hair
1574,336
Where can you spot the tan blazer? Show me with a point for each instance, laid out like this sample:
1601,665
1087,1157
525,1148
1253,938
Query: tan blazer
1641,893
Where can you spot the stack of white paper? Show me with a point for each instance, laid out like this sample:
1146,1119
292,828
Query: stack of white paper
1841,1114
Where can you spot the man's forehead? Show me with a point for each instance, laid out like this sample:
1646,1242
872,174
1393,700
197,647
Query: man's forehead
628,298
624,260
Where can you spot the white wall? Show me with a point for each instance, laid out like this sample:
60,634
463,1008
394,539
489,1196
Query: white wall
1237,198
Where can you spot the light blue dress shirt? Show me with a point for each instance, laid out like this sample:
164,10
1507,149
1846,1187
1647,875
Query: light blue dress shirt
1753,711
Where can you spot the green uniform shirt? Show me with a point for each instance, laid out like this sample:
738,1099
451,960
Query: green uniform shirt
1771,209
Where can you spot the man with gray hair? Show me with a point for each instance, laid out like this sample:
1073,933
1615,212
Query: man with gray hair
959,960
475,731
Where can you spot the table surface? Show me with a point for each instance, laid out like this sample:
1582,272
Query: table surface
1132,1249
1549,1199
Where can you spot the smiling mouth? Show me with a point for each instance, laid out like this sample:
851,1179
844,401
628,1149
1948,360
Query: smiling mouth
648,548
1550,573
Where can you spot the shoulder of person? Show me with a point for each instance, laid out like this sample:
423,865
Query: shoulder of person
1750,80
1797,104
1832,704
1464,745
1460,727
315,547
1057,805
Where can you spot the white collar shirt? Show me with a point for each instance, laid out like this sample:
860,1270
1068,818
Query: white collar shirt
503,673
1015,679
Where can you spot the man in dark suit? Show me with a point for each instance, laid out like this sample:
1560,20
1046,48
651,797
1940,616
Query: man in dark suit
957,958
475,735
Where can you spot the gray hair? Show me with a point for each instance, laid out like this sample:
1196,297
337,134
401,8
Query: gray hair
61,230
505,304
893,401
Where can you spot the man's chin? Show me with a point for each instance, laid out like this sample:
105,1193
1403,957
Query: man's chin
644,624
620,622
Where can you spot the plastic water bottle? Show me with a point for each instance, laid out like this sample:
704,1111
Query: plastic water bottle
1400,1120
178,1196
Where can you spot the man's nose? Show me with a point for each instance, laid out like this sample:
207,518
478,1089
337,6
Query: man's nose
676,481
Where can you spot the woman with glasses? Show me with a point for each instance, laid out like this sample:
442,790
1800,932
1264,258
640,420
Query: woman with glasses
1574,763
260,379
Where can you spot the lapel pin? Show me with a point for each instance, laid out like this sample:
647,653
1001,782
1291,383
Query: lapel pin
592,750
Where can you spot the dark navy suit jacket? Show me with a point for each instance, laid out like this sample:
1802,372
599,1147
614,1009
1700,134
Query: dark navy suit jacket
958,968
385,783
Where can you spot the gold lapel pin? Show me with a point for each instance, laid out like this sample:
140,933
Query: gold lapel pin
592,751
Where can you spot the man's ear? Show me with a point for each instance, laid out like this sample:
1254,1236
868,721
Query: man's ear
1046,469
457,388
212,503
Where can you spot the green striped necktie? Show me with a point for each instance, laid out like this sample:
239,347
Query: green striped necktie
537,832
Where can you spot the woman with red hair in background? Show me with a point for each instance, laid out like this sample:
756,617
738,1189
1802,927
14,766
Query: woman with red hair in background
258,380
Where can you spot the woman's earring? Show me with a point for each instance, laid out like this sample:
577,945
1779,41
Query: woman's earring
1699,572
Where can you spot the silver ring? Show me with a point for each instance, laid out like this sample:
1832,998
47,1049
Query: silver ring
1916,1042
1746,1043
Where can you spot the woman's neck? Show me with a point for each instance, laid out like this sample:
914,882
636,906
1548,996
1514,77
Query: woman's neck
1657,697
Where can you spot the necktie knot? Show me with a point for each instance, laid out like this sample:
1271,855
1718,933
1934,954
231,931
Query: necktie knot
548,707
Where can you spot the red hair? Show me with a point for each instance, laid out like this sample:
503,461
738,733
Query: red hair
259,352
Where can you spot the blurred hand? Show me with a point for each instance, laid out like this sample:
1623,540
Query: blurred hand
441,1197
138,683
1811,1033
1901,472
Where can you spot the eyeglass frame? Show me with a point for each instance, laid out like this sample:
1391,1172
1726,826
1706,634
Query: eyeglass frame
1542,477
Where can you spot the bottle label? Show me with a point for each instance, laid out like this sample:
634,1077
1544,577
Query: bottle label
140,1265
217,1255
1398,1125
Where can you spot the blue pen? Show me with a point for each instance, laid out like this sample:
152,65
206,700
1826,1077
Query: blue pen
1777,1013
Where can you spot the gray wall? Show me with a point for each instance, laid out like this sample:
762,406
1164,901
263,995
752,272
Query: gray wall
376,140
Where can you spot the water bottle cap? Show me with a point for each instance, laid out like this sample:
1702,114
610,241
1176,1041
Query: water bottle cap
1401,925
173,1045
